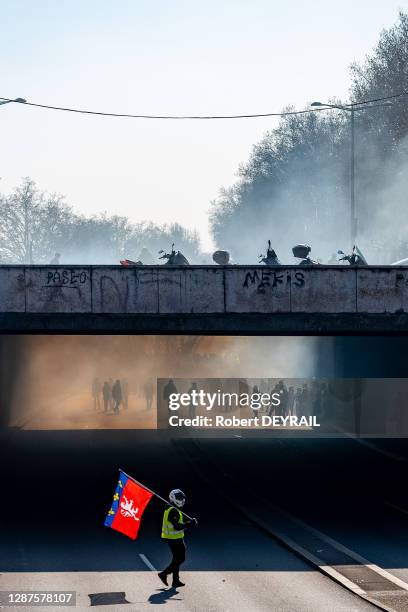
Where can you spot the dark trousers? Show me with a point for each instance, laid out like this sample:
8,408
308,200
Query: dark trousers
178,550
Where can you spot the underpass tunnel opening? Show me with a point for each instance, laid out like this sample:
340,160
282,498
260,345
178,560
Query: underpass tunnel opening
59,380
64,452
50,381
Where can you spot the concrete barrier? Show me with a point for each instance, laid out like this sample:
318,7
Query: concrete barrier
262,290
382,290
287,293
55,289
12,290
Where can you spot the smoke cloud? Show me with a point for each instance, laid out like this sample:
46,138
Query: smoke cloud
53,389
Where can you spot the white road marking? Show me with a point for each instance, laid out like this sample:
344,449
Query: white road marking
360,559
147,562
327,569
387,503
347,551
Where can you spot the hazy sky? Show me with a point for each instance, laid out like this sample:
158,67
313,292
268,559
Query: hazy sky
164,57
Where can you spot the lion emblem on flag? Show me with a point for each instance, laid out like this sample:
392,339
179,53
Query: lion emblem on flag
127,509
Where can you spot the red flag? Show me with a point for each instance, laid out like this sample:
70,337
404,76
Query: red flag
129,502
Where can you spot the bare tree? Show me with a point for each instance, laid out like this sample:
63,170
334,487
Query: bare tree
30,224
35,224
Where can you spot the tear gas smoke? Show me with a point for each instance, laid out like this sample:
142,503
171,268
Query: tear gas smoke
53,388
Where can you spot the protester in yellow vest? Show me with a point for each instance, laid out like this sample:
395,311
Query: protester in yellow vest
173,533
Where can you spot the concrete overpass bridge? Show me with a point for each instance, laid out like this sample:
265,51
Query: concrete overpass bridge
240,300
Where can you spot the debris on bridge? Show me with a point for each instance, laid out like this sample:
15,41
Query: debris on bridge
173,258
271,259
302,251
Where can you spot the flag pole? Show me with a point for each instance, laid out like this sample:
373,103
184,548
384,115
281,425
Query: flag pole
153,493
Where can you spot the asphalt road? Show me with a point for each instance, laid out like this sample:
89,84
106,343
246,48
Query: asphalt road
76,411
58,486
353,491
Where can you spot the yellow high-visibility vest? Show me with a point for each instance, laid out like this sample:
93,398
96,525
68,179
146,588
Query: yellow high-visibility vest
168,531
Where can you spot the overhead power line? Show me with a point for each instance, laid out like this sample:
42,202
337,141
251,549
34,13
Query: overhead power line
132,116
195,117
393,97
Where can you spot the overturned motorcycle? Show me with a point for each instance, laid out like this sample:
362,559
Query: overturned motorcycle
173,258
355,258
271,259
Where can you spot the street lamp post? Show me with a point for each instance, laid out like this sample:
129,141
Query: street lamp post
352,108
353,216
19,101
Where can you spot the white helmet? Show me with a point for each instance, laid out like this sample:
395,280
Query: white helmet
177,498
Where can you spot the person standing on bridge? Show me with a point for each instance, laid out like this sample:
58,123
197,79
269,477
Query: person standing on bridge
173,533
55,261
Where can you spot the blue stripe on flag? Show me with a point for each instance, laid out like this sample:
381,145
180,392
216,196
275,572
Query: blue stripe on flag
116,499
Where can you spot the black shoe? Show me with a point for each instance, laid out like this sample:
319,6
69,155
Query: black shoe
163,578
177,583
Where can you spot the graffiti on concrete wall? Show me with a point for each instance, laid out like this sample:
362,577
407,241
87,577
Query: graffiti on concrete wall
201,290
111,292
264,278
71,278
